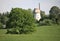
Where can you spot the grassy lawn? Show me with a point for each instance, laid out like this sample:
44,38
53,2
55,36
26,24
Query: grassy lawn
43,33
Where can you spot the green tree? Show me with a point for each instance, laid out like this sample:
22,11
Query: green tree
42,15
54,13
0,22
20,21
0,17
1,25
44,19
4,18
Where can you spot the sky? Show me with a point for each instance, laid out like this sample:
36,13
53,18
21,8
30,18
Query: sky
45,5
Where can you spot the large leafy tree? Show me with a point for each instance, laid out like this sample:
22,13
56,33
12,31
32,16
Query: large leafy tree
21,20
54,13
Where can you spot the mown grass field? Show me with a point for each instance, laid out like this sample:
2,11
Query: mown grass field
43,33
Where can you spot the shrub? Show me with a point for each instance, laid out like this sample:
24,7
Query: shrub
22,19
46,22
13,31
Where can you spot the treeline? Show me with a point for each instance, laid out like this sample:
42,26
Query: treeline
3,19
52,18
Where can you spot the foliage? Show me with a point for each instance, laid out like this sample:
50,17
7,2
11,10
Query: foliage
55,14
44,19
46,22
13,31
42,15
4,17
1,25
22,19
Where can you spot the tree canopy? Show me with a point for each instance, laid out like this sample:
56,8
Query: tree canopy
54,13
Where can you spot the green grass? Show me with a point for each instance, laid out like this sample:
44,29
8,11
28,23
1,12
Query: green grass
43,33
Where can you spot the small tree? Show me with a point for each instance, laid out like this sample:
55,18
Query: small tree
20,21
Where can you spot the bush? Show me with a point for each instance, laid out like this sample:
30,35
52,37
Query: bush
22,19
46,22
25,30
13,31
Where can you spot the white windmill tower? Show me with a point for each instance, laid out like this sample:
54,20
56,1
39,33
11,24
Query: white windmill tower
37,15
